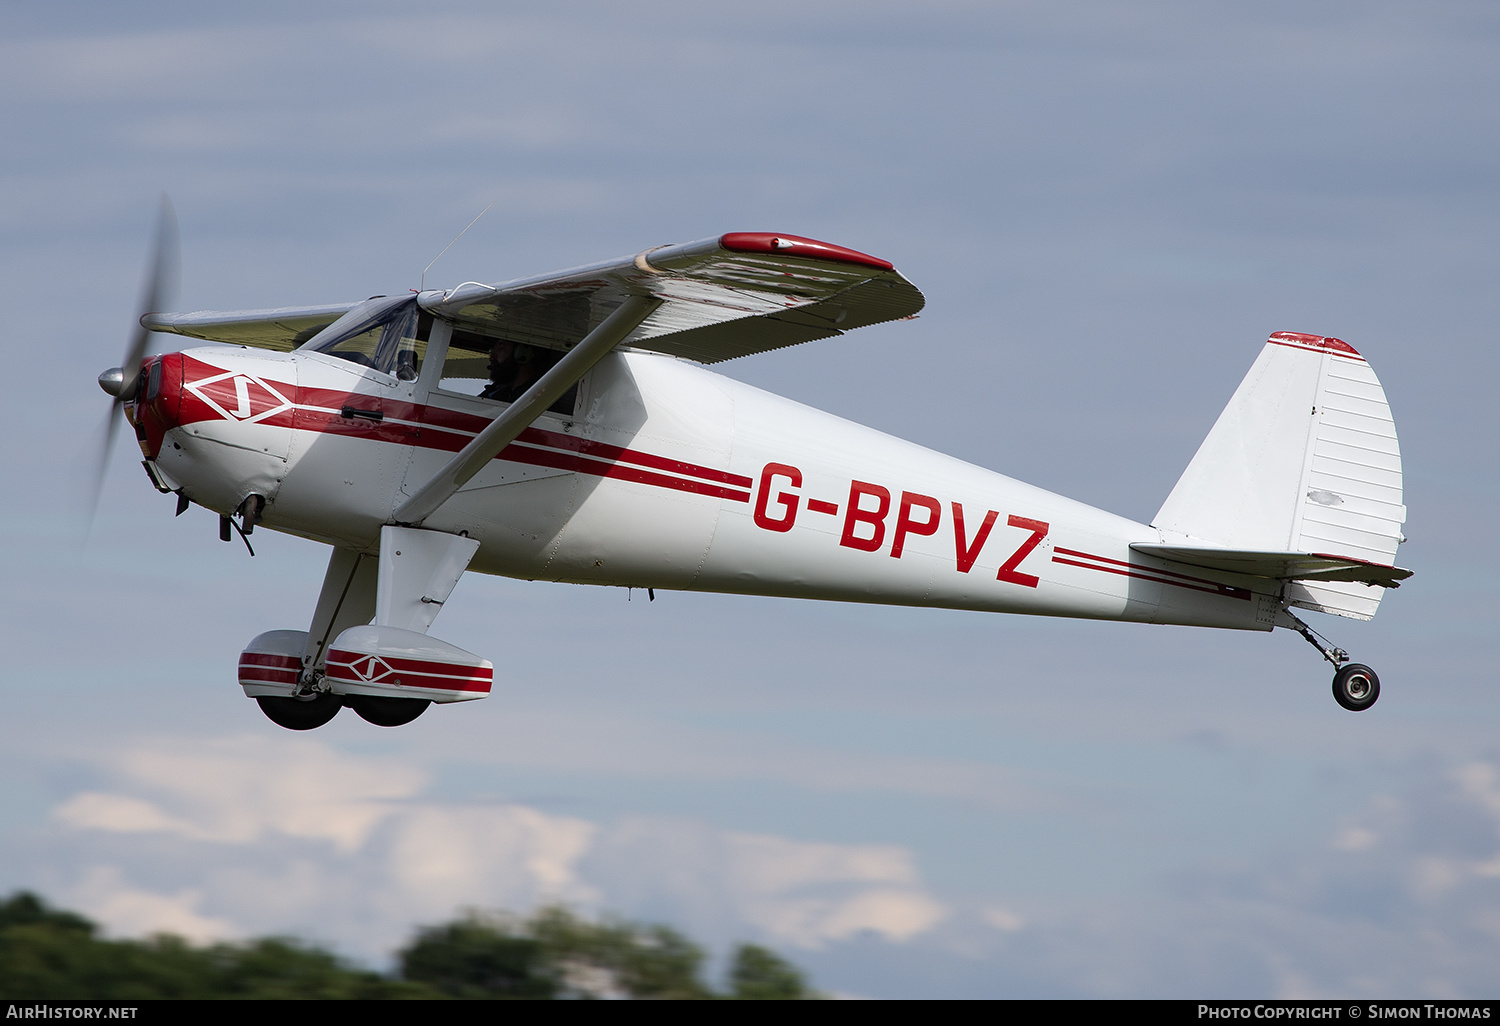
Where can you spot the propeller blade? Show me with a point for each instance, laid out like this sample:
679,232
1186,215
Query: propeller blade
160,285
101,464
156,292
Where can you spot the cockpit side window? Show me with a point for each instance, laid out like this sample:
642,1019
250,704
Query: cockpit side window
386,335
499,369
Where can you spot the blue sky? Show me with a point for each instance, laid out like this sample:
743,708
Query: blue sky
1108,209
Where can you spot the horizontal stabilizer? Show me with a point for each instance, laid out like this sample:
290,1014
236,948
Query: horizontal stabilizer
1285,566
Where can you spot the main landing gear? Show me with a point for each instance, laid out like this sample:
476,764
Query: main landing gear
308,712
386,712
1355,685
304,712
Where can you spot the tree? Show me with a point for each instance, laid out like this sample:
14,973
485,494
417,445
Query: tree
475,957
759,974
554,954
48,953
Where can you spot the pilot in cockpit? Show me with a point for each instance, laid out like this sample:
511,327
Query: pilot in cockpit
513,369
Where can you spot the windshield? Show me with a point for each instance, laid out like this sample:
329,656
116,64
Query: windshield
385,334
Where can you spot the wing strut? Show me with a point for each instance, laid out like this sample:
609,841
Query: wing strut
505,428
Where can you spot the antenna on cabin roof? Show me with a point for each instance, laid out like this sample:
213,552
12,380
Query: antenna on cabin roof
422,285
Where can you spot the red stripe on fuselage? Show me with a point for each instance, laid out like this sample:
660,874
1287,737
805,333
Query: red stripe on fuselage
517,453
319,410
456,428
1146,573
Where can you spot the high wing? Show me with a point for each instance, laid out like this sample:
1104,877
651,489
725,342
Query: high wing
1286,566
720,298
712,300
282,329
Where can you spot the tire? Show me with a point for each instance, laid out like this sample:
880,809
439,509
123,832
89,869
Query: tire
387,712
1355,687
301,713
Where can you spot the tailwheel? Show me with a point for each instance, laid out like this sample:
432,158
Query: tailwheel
387,712
1355,687
304,713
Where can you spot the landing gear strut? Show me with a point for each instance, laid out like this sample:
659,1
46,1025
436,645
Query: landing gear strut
1355,685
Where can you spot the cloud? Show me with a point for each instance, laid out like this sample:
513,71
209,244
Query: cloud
1401,900
132,912
504,856
621,742
895,914
1003,919
805,893
773,872
239,790
272,833
1401,897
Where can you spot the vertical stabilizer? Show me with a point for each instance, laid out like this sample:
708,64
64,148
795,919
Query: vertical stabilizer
1303,459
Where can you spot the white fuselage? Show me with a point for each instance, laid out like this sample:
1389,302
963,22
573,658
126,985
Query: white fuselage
671,476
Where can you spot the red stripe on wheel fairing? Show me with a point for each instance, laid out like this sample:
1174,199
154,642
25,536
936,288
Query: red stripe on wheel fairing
399,664
412,673
418,680
260,673
269,668
270,659
282,677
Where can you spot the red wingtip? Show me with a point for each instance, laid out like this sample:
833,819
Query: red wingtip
1296,338
796,245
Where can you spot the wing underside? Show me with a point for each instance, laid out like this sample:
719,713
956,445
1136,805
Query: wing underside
282,329
720,298
717,299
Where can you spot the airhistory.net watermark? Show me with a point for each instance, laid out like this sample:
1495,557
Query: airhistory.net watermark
44,1010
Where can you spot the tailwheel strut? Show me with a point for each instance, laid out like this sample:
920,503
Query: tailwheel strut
1355,685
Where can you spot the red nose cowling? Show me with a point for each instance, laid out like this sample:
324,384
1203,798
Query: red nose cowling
158,402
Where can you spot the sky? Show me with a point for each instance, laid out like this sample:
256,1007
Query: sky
1107,206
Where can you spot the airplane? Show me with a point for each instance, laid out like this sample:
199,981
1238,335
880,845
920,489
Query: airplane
569,427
